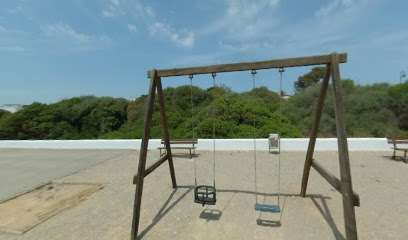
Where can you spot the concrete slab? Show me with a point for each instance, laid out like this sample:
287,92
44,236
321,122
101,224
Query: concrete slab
172,214
24,169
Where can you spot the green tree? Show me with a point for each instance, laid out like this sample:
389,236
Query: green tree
3,113
309,79
3,133
376,110
76,118
398,102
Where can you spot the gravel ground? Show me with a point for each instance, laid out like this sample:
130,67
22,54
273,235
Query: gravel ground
172,214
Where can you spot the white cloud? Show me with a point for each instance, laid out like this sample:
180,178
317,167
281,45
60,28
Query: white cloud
17,9
64,31
146,15
248,9
113,9
128,8
244,19
65,34
253,27
337,6
187,41
115,2
182,38
132,27
149,11
107,13
337,32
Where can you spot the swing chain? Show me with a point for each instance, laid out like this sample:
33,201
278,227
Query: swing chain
281,70
253,72
192,122
257,207
214,115
204,194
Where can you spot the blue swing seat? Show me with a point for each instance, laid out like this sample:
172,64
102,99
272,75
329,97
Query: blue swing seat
267,208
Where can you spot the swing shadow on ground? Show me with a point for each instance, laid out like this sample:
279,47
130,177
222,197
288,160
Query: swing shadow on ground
324,210
164,209
271,223
215,215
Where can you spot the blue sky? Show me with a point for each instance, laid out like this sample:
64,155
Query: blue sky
51,50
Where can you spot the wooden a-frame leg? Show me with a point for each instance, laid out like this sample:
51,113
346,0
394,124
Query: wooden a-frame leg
345,174
315,128
165,131
143,155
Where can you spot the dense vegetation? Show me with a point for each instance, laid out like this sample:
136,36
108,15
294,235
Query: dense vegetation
377,110
309,79
75,118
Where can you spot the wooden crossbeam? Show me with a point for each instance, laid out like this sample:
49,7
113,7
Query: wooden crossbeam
333,180
152,167
233,67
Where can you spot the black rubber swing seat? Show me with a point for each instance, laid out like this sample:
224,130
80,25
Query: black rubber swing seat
205,195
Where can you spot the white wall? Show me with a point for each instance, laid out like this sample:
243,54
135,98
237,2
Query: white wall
287,144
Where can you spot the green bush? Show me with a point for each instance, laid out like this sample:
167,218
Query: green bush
377,110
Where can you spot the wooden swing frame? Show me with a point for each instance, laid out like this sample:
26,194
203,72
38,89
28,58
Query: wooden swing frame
332,61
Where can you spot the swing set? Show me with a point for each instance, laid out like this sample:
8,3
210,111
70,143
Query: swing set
207,195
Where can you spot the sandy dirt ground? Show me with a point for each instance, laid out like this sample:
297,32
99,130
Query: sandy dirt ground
172,214
23,212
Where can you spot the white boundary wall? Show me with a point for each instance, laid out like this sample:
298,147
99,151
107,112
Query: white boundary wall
287,144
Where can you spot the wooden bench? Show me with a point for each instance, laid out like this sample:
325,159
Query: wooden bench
396,148
180,141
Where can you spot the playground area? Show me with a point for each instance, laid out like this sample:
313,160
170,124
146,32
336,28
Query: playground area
106,213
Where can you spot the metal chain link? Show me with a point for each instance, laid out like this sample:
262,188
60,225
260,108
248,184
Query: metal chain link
192,122
256,188
281,70
213,76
